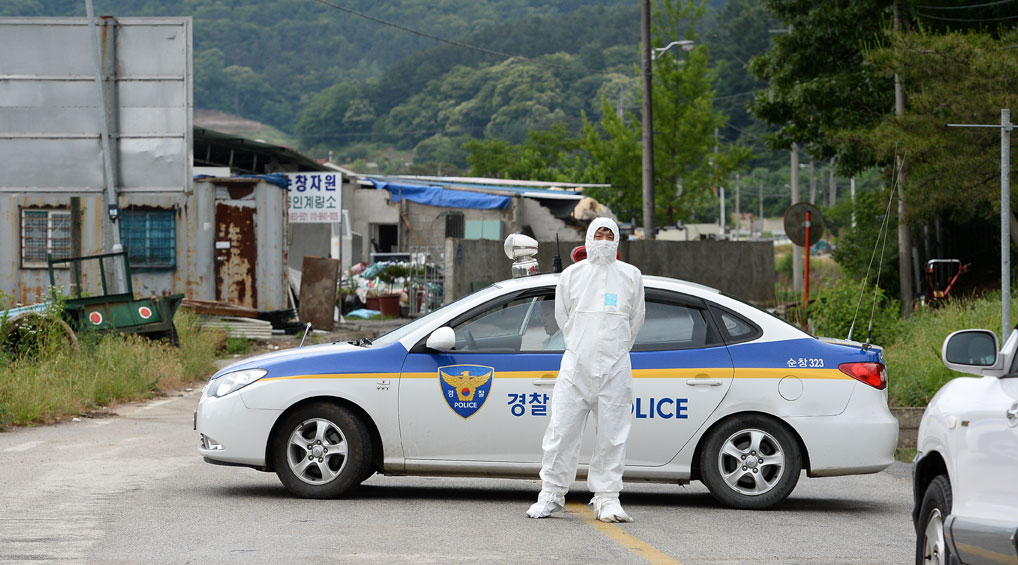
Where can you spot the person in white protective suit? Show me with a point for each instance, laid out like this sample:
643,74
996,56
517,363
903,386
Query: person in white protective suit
599,304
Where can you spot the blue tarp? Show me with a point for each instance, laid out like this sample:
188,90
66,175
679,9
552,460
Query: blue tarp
277,179
438,196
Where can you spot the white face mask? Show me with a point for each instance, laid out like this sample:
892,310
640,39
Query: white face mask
601,251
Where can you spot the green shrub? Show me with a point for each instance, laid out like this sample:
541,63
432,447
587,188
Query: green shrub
915,370
836,306
237,345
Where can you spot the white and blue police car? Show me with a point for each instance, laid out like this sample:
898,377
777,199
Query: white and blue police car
725,393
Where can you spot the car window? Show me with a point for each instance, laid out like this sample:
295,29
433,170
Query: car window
736,328
673,326
496,330
402,331
542,334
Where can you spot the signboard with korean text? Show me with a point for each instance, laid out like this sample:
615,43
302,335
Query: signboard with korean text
315,198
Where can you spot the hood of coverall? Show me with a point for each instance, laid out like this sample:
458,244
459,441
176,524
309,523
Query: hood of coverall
602,252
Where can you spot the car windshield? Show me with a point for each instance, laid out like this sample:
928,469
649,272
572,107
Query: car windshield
403,331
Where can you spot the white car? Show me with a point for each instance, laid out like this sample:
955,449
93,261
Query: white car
965,475
725,393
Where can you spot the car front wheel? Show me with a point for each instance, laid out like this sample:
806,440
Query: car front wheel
321,451
750,462
931,547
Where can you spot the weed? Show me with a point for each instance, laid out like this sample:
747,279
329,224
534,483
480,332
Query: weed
59,382
915,369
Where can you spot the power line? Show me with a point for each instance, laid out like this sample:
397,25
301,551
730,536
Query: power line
441,39
970,20
416,32
997,3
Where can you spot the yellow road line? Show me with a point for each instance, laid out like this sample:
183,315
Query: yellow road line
633,544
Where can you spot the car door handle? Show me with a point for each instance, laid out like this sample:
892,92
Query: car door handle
703,382
544,382
1012,415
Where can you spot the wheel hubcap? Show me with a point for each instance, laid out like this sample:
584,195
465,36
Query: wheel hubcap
751,462
317,451
933,539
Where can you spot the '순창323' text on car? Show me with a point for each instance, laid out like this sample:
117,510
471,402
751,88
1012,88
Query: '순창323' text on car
724,393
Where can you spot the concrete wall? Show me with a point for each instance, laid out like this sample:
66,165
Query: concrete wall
739,268
366,206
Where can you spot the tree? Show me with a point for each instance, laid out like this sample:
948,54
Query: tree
817,79
951,77
687,168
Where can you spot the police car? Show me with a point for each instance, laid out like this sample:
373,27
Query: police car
725,393
965,474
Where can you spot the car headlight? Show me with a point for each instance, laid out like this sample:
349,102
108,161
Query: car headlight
236,380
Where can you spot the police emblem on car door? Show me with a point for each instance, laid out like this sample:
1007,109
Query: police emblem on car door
466,387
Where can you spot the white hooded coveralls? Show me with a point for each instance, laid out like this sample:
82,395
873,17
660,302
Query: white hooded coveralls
599,304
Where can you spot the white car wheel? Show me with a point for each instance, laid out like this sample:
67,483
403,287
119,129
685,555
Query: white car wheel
750,462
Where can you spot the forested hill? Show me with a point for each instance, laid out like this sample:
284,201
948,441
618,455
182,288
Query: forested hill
265,59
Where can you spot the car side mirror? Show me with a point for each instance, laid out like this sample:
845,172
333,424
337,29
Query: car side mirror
972,351
442,339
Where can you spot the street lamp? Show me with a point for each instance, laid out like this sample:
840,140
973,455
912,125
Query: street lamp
647,58
684,44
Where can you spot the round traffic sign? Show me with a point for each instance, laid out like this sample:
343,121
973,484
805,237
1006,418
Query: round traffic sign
795,224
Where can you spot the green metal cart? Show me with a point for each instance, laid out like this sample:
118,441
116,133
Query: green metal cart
122,313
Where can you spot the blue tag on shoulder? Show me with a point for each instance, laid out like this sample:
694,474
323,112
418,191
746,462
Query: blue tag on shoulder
611,299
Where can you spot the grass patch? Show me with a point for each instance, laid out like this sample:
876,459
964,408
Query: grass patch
904,454
60,382
237,345
915,370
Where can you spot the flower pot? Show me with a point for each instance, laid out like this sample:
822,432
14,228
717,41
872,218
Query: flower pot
371,303
389,305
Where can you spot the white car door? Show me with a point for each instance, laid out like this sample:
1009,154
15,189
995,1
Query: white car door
488,399
681,372
985,486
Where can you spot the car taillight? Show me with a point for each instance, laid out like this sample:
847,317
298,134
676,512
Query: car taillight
872,374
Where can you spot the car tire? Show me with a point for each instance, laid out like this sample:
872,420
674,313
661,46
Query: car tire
321,450
931,545
750,462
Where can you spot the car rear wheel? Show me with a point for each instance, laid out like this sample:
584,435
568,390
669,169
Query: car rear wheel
750,462
321,451
931,547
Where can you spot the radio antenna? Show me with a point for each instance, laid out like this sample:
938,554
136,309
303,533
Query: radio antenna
556,261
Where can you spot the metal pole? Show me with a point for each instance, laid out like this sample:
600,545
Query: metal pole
721,191
796,252
1005,219
852,184
111,235
648,123
805,295
738,218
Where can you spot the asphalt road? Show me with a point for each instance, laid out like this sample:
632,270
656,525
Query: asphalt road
131,489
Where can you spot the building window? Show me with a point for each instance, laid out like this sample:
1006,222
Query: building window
44,232
150,237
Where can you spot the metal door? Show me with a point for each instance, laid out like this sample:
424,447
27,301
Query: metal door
236,253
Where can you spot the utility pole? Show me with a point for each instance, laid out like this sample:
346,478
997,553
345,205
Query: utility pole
812,183
1005,215
738,218
761,212
834,186
648,123
796,250
852,185
904,233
